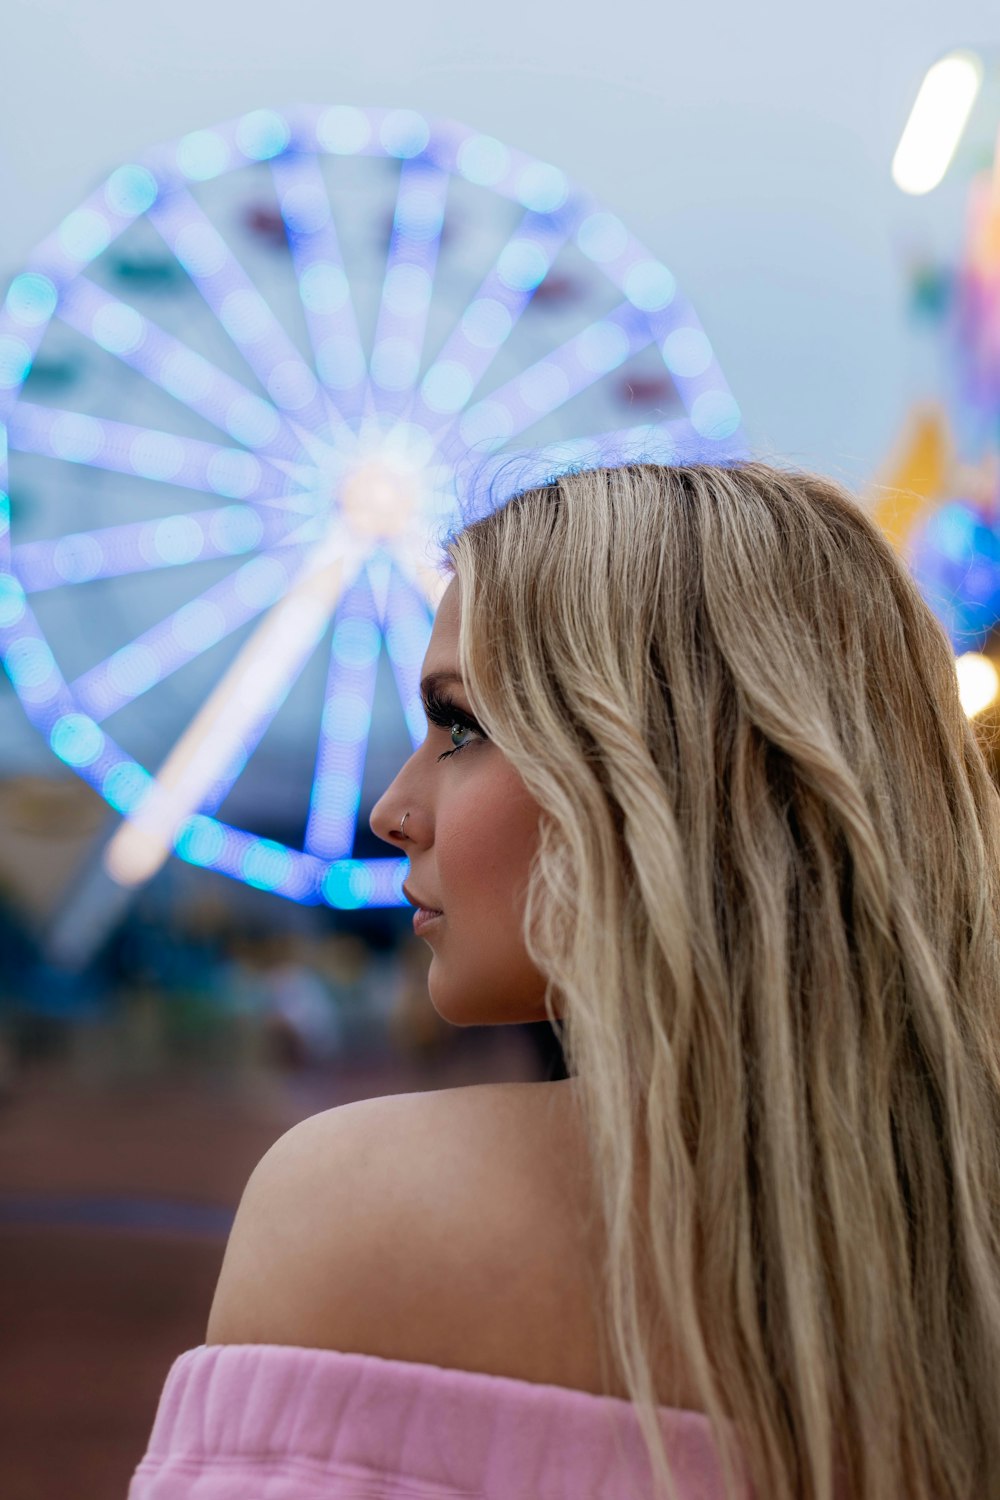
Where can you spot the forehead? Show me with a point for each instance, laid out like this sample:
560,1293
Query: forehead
442,649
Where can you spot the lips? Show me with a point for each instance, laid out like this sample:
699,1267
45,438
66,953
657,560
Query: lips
415,900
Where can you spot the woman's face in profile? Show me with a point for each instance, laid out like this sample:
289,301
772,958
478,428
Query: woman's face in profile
470,838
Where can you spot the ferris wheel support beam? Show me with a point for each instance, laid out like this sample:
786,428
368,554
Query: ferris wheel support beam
246,697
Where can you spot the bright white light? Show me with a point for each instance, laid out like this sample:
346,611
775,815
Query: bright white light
936,122
250,691
978,683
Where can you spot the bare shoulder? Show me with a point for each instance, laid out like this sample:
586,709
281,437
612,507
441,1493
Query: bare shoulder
387,1226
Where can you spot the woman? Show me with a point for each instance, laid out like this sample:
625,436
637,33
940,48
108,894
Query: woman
698,788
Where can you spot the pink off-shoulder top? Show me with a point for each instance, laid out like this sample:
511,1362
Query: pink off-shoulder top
276,1422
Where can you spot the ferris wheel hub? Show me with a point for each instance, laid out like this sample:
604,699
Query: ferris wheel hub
379,498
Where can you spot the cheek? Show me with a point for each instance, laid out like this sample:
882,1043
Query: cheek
485,836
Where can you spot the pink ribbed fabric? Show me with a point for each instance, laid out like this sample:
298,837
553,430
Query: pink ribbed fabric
275,1422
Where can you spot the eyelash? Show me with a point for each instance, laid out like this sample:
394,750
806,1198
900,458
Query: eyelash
446,714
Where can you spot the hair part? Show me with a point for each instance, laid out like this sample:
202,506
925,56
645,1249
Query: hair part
742,725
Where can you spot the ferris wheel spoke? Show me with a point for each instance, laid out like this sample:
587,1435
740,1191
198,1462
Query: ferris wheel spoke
148,546
324,290
345,724
211,753
240,308
194,381
186,633
120,447
550,382
407,287
407,623
491,316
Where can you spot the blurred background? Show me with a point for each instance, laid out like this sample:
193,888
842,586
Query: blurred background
279,288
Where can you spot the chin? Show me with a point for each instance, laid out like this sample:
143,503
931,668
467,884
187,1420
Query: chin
469,1006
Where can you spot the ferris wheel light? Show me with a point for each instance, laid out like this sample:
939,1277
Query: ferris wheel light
31,299
202,154
12,602
542,188
649,285
978,682
15,361
130,191
715,415
522,264
937,120
404,133
687,352
483,160
343,130
603,237
83,234
262,134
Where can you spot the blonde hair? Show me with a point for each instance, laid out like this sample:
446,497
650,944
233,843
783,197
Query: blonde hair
766,900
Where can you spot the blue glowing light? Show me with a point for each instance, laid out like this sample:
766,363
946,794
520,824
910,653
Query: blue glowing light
305,208
31,665
687,352
126,786
133,670
252,421
15,361
394,364
84,234
266,865
76,437
522,264
156,455
76,739
323,287
483,159
603,237
356,643
340,362
236,528
11,600
31,299
715,415
542,188
487,323
200,840
131,191
291,385
404,133
419,214
407,290
262,134
347,886
198,624
78,558
649,285
201,155
343,130
118,328
447,386
200,249
261,582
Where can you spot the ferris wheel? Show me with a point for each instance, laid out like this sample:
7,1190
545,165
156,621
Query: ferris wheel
242,386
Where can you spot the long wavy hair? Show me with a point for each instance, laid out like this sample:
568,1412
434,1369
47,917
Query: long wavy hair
766,905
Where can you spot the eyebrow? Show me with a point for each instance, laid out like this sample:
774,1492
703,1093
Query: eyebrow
435,680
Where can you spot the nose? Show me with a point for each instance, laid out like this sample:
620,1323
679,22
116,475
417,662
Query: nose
387,814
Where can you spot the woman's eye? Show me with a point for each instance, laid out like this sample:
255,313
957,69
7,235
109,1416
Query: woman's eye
463,729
